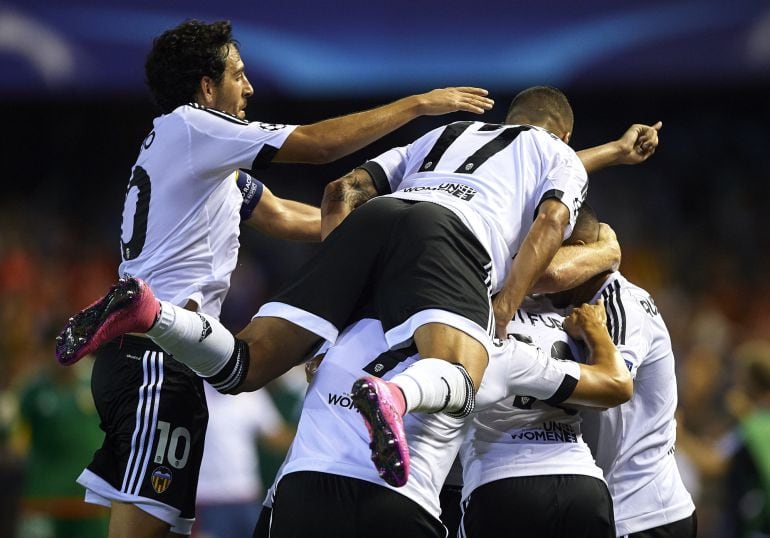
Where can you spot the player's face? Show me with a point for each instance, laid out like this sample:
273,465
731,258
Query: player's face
231,94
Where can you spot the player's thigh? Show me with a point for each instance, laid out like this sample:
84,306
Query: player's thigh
439,340
154,414
128,521
334,281
434,270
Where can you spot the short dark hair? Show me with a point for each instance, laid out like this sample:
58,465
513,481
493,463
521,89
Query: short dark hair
586,227
183,55
543,106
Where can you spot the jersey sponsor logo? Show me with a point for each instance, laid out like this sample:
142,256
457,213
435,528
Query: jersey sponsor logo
548,432
271,126
458,190
342,400
160,479
135,357
538,319
206,330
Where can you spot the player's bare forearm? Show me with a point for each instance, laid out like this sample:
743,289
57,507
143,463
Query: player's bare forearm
605,381
599,157
637,144
572,265
331,139
536,252
286,219
342,196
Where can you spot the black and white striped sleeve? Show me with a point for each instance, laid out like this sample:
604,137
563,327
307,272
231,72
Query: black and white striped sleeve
627,324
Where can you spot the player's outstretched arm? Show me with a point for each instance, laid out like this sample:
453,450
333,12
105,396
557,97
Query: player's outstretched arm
342,196
605,382
286,219
537,250
575,264
331,139
636,145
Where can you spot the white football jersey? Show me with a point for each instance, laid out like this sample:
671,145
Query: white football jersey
523,435
493,177
634,442
332,438
181,215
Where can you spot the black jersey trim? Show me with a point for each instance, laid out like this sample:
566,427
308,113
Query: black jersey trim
450,133
622,311
616,313
224,115
553,193
264,157
564,391
490,127
388,360
378,175
494,146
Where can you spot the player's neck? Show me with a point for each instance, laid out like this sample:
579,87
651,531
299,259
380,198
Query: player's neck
589,289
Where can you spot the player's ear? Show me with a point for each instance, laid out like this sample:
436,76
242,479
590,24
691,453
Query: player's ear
206,91
566,136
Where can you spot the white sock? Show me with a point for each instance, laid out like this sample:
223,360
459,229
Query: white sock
433,385
195,339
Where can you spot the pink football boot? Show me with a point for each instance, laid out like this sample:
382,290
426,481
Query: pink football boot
129,306
378,402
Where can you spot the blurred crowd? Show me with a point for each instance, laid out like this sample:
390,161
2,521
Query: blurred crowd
692,226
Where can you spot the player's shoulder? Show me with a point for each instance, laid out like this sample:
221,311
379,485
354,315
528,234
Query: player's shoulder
194,112
629,299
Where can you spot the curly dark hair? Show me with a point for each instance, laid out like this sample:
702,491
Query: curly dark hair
181,56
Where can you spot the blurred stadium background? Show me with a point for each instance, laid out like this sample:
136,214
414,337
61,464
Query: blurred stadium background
693,221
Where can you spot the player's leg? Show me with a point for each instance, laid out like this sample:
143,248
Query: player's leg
433,289
128,521
198,340
318,302
154,415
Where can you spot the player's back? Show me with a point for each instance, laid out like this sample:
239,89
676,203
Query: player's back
181,213
332,438
634,442
492,176
522,435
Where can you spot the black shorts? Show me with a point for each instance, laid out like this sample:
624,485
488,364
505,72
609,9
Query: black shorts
320,504
684,528
555,506
451,514
262,528
413,262
154,415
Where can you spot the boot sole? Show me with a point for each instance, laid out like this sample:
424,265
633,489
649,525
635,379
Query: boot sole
82,327
386,453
